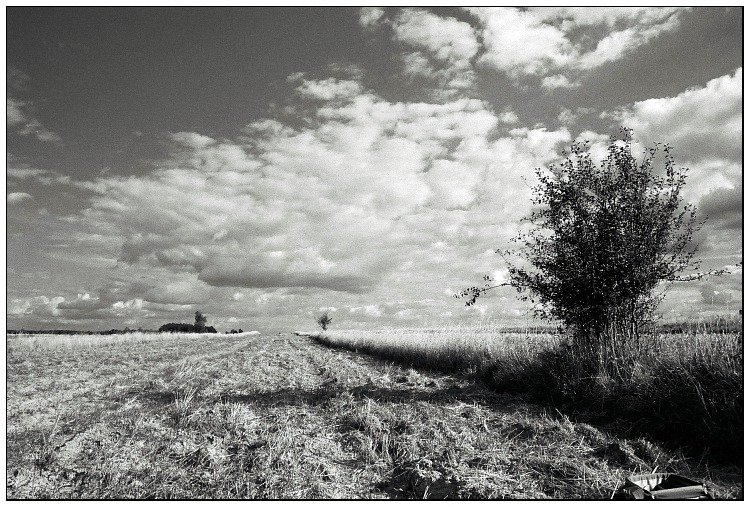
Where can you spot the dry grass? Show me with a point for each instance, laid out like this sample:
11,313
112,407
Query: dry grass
19,342
685,389
453,348
283,417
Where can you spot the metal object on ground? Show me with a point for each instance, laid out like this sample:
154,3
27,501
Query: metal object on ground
661,486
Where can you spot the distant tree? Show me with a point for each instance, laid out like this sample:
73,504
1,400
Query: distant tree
324,320
200,321
198,327
174,327
602,240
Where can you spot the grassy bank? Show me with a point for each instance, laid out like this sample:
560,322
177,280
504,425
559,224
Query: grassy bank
685,389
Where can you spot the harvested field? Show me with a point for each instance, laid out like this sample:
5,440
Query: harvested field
232,416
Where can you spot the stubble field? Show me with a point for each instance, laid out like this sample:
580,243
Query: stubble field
237,416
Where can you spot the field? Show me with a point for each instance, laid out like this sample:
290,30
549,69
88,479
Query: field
684,389
238,416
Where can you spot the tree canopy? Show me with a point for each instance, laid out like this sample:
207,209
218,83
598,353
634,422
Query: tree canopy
601,240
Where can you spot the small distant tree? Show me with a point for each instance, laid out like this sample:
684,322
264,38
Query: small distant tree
602,240
323,320
200,321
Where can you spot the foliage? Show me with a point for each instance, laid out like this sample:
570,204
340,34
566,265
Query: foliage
602,240
198,327
324,320
173,327
200,320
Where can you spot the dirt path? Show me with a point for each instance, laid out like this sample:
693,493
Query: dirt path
283,417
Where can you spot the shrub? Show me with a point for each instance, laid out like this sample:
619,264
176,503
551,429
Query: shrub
602,239
324,320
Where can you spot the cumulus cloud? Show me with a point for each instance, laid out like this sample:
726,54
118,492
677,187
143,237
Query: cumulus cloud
20,120
329,89
607,16
558,81
18,197
444,38
506,30
263,272
441,50
723,207
20,171
83,302
568,117
370,17
508,117
373,311
134,301
13,114
701,123
330,206
552,42
37,306
704,127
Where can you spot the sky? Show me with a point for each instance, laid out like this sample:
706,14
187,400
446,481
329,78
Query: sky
263,165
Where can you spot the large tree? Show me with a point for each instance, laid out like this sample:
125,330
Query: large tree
601,241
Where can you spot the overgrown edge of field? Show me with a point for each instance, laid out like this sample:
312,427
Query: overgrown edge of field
692,402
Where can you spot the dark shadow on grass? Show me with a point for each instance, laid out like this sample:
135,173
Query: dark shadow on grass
662,409
322,395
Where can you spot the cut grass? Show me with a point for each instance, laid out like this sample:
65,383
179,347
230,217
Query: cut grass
282,417
20,342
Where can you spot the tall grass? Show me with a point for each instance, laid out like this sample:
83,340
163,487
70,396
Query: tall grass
450,348
681,388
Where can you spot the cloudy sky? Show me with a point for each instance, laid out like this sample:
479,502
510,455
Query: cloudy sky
264,164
